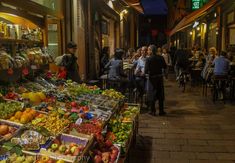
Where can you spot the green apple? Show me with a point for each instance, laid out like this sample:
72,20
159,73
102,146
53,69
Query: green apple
62,148
73,149
54,146
45,158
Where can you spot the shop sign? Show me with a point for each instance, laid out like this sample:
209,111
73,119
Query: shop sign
196,4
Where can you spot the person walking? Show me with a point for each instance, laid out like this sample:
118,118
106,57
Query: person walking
167,59
69,61
154,66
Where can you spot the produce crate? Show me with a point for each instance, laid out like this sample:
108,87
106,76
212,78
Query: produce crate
20,124
66,139
12,124
31,136
136,121
8,157
5,101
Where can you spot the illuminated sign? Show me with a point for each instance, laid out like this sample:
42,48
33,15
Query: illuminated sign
196,4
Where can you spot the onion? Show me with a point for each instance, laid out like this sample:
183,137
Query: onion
4,129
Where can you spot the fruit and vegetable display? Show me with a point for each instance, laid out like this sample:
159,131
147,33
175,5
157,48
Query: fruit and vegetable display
120,133
128,114
112,93
44,122
85,128
67,147
79,89
30,140
34,97
47,159
8,108
105,151
53,122
14,158
24,117
7,130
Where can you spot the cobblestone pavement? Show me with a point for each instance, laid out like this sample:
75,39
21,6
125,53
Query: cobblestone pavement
195,130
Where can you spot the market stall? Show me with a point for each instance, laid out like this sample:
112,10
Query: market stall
53,120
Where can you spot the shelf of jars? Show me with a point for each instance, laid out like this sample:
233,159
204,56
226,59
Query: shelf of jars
22,41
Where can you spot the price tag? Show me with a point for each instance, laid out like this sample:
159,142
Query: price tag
34,67
78,121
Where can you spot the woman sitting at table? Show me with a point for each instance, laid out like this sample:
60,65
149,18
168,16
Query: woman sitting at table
200,62
115,66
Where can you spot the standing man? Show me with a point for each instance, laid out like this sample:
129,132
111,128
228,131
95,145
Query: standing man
139,73
70,62
154,66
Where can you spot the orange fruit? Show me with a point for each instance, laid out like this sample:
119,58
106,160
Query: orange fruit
30,116
40,116
18,114
33,112
24,119
28,110
12,119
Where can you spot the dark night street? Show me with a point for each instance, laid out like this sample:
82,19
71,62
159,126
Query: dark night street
195,130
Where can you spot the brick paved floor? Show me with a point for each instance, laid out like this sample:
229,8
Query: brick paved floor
194,131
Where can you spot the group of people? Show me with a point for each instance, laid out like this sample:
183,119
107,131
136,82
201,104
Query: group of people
211,63
150,65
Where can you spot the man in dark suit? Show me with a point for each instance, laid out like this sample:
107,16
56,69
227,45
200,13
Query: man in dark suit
154,68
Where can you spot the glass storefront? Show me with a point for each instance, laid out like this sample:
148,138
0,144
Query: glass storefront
51,4
212,35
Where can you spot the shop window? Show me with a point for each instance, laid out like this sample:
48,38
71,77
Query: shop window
230,18
53,39
212,35
52,4
105,27
231,36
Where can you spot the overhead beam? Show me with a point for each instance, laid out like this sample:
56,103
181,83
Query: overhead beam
36,20
31,7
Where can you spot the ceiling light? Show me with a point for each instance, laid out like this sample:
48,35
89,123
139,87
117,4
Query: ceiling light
191,33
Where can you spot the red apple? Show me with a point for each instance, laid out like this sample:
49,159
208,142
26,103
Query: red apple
67,151
108,143
76,152
72,145
57,141
72,150
50,161
73,104
113,157
98,159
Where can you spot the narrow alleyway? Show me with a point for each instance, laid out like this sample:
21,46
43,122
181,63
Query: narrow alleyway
194,131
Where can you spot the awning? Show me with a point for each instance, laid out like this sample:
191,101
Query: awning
135,4
186,21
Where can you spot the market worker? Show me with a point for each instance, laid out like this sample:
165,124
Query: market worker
70,62
153,68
